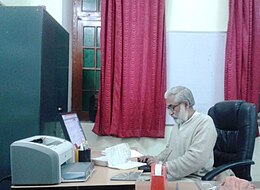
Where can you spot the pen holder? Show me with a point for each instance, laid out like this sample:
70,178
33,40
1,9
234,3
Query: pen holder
158,180
84,155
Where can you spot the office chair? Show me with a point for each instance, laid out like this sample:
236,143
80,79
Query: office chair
235,121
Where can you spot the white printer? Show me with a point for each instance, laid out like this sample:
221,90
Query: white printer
39,159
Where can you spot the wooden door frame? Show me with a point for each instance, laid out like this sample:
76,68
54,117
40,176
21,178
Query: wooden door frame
77,56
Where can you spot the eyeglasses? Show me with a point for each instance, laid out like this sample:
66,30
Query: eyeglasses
172,107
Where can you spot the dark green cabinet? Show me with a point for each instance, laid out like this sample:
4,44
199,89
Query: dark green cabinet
34,57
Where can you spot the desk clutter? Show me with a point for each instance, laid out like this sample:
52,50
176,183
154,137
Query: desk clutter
82,152
119,157
41,160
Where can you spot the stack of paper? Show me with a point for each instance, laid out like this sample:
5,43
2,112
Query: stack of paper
118,156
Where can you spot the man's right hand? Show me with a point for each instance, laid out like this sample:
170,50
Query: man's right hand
148,159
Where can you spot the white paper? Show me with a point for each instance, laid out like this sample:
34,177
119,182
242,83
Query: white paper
101,158
100,161
158,170
118,156
128,165
135,154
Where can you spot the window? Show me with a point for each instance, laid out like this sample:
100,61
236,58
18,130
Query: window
86,55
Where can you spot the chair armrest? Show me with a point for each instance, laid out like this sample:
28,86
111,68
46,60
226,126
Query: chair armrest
210,175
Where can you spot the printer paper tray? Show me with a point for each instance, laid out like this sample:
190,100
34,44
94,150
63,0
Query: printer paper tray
79,171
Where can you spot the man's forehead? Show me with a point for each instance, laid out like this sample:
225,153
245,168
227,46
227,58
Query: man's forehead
170,100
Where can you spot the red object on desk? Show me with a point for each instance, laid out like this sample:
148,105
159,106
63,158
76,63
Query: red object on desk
158,181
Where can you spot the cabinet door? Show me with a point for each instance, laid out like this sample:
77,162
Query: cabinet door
54,78
20,68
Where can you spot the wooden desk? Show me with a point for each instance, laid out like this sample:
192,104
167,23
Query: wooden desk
100,179
169,186
182,185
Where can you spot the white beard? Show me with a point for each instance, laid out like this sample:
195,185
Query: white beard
182,116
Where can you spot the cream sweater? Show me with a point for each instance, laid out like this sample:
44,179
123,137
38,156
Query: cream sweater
190,148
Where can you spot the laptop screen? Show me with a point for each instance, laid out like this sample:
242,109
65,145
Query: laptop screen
72,128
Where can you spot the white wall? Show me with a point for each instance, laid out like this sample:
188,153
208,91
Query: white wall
196,15
53,7
67,16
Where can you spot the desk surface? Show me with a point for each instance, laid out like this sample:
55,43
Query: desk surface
169,185
183,185
100,177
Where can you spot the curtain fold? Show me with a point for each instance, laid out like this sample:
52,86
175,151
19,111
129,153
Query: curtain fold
242,64
133,74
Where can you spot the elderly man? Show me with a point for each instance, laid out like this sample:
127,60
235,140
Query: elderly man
189,152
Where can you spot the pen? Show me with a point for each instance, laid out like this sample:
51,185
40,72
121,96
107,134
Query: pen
76,146
85,144
177,186
81,147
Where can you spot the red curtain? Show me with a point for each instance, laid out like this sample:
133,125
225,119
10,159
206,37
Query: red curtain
133,74
242,64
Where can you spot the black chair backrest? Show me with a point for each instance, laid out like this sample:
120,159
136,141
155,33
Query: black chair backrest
235,121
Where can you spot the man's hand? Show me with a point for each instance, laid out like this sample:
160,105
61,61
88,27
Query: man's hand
148,159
